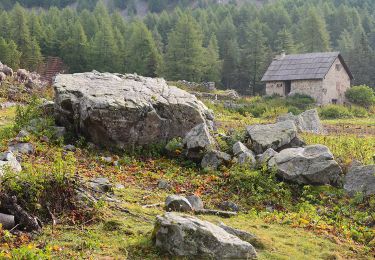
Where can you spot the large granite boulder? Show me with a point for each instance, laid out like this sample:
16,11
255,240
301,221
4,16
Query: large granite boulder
307,121
187,236
125,111
360,179
312,164
276,136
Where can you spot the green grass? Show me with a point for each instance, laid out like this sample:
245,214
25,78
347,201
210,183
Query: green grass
7,116
370,121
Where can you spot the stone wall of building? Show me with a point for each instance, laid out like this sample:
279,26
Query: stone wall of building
335,84
276,87
313,88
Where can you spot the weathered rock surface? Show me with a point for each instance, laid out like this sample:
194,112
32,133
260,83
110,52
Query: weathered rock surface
229,205
177,203
22,148
239,148
125,111
197,141
245,236
312,164
214,159
276,136
244,156
307,121
266,156
195,202
100,185
7,221
360,179
187,236
8,159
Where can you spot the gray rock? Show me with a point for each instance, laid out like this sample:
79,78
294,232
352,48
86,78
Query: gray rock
23,134
229,205
275,136
187,236
164,184
247,158
125,111
119,186
8,160
70,148
214,159
48,107
243,235
312,164
195,202
239,148
360,179
59,131
177,203
101,185
307,121
22,148
7,221
263,158
197,141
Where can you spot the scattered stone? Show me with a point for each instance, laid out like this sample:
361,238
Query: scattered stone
119,186
276,136
44,139
243,235
164,184
239,148
229,205
195,202
8,160
22,148
307,121
7,221
187,236
59,131
48,107
198,140
107,159
22,134
360,179
70,148
247,158
213,159
177,203
262,159
125,111
312,164
101,185
7,104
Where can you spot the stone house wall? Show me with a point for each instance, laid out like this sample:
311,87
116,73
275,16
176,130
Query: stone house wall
313,88
275,87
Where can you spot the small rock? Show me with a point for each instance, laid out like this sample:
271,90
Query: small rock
8,159
198,140
119,186
263,158
230,206
22,134
213,159
101,185
177,203
195,201
164,184
247,158
22,148
360,179
239,148
59,131
70,148
44,139
192,238
107,159
7,221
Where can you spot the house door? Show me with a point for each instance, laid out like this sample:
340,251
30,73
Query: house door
288,87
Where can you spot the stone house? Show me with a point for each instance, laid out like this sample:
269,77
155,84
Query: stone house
323,76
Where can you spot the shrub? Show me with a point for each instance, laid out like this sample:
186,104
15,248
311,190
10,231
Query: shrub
361,95
300,101
358,111
335,112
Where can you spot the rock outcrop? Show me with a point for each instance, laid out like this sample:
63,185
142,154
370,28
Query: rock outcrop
307,121
312,165
187,236
360,179
276,136
125,111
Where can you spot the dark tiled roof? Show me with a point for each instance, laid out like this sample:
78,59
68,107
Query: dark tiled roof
303,66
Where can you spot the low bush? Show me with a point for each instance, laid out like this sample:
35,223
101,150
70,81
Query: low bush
357,111
335,112
300,101
361,95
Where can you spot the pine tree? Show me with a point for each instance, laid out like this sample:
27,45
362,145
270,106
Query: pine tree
75,49
231,58
213,64
31,55
185,52
254,59
314,34
142,54
285,42
9,54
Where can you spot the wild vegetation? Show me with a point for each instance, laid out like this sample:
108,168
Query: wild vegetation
230,44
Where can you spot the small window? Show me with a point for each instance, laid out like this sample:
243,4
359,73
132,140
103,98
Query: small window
338,67
334,101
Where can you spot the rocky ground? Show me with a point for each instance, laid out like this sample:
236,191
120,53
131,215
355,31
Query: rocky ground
266,188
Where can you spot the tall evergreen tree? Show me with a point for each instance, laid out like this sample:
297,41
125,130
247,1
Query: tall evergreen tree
314,34
285,42
142,54
185,52
9,54
213,64
231,59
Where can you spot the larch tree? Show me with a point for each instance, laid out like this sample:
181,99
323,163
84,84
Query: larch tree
213,64
9,54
